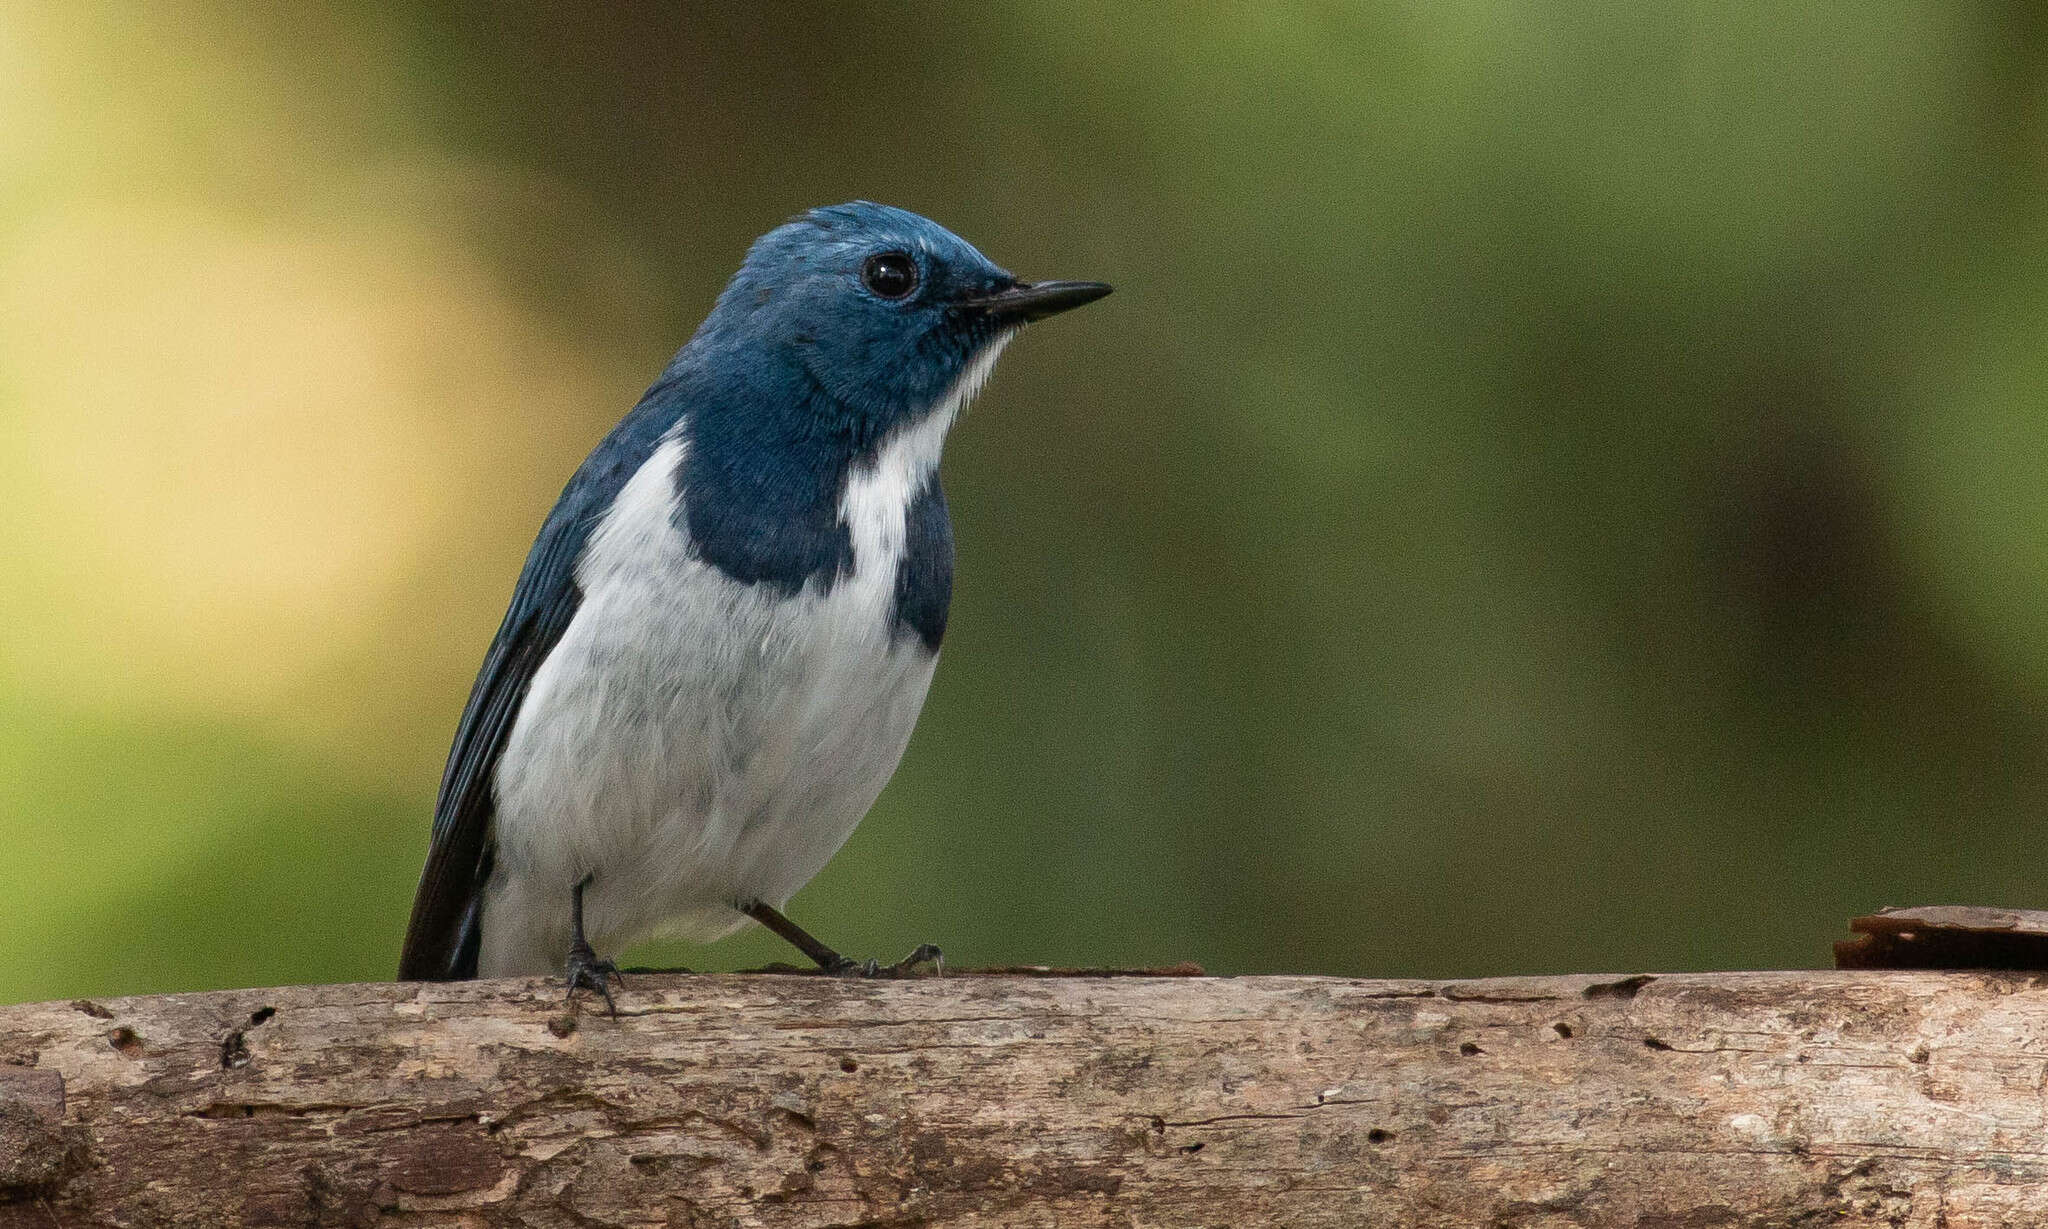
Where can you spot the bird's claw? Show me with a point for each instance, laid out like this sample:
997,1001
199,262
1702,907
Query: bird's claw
925,953
587,972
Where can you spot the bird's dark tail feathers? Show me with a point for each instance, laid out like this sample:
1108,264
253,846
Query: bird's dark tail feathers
447,927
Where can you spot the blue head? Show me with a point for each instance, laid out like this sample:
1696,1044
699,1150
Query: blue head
881,309
843,329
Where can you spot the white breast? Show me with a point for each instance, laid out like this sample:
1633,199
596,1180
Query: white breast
692,743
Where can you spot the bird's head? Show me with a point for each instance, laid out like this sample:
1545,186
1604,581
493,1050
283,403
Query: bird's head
885,310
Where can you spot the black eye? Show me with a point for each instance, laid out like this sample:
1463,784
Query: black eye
890,274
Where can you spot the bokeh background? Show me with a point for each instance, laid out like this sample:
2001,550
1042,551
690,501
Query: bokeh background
1559,487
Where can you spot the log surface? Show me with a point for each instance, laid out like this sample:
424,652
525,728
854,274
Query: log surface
1838,1098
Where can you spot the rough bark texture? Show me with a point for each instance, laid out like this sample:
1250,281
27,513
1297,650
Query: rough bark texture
1842,1098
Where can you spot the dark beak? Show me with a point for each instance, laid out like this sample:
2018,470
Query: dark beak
1028,301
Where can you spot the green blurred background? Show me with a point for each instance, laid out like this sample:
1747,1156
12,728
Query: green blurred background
1559,487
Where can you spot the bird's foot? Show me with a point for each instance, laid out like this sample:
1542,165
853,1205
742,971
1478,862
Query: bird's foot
587,972
925,953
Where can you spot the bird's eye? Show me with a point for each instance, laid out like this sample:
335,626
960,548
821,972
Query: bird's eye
890,274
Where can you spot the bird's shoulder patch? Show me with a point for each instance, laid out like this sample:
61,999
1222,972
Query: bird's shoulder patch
924,576
760,516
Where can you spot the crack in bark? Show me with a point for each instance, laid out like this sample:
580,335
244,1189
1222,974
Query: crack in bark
1205,1122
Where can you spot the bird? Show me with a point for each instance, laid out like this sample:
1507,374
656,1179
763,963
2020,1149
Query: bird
722,637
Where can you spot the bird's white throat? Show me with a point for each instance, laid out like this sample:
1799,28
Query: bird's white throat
878,494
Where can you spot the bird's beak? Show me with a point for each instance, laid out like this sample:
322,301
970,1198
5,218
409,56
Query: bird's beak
1028,301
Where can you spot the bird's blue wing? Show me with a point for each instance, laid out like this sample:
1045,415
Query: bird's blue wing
442,939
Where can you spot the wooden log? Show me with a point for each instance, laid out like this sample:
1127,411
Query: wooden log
1946,937
1811,1098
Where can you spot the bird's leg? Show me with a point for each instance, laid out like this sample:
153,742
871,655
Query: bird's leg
771,917
586,971
834,963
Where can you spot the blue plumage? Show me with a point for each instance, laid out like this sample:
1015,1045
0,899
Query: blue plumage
719,643
924,580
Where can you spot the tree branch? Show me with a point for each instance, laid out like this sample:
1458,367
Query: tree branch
1843,1098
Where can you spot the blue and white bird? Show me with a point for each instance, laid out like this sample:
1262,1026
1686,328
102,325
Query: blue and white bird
721,640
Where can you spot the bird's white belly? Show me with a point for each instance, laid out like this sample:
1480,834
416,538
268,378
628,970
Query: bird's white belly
692,743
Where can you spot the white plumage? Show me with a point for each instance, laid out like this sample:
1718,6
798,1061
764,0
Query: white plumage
693,743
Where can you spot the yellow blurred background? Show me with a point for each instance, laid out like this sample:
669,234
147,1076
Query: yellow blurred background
1552,491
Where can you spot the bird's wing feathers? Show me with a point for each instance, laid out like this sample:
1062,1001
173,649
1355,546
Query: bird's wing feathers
441,940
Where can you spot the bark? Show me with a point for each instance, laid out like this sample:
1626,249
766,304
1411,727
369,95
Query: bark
1946,937
1816,1098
